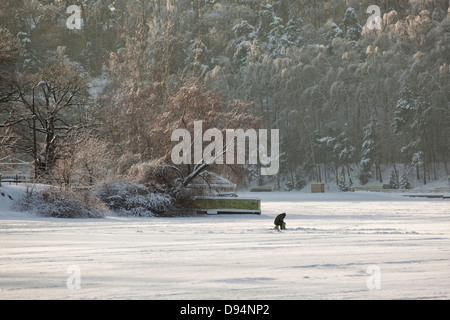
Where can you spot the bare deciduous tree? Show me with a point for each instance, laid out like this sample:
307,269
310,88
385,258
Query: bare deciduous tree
47,106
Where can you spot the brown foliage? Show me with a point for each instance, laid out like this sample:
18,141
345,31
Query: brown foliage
194,103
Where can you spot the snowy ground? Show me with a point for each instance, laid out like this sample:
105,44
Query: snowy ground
332,241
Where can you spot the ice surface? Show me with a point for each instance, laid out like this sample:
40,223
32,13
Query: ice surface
332,241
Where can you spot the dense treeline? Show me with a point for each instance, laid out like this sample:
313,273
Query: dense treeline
348,100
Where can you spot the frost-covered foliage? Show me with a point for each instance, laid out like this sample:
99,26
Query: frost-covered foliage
334,32
307,67
352,25
298,184
404,182
394,182
59,203
199,57
343,186
243,32
271,34
368,152
129,198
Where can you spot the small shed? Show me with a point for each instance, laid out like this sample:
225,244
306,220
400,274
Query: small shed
317,188
209,181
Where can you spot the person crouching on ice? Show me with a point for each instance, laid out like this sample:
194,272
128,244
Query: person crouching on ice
279,222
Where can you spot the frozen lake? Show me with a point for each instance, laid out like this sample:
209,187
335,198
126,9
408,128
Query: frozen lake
337,246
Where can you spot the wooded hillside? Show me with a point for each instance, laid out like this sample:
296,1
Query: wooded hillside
348,100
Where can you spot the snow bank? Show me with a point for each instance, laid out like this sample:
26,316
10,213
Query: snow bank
134,199
9,194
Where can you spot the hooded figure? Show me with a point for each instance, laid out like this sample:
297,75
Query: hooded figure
279,221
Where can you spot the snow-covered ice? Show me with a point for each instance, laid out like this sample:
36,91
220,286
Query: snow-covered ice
332,243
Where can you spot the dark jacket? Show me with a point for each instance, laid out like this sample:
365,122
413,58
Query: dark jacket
279,219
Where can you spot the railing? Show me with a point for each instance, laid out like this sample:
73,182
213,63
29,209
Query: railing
14,178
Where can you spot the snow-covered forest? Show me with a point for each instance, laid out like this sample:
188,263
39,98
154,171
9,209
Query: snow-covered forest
98,101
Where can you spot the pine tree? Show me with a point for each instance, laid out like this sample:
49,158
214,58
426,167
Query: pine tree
29,63
243,32
393,181
333,32
410,122
270,31
293,32
404,182
368,152
352,28
199,58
